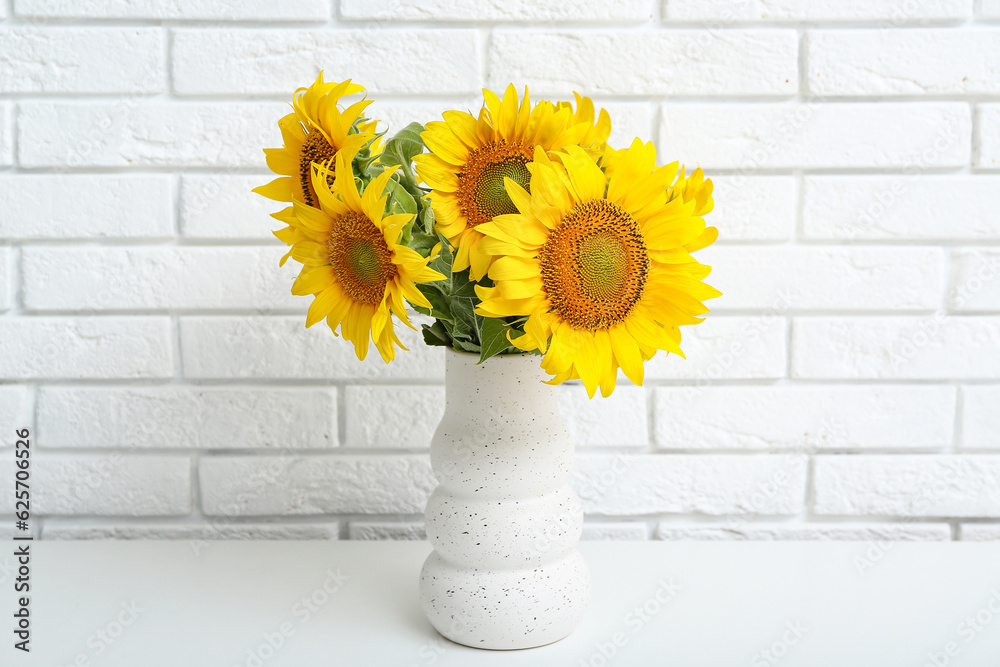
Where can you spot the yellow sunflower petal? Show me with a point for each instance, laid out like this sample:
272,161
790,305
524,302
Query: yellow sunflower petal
280,189
463,124
446,145
310,253
587,178
627,353
372,202
609,372
637,162
491,104
514,268
479,261
281,161
346,187
506,120
313,279
323,304
536,329
521,289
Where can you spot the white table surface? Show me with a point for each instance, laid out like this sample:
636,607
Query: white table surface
209,603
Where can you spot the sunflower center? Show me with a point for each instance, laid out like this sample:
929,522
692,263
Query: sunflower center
603,264
481,192
594,265
314,149
360,258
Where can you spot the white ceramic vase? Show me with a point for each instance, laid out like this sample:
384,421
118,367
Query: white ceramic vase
504,522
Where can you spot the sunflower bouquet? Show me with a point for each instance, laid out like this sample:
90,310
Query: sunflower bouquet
518,229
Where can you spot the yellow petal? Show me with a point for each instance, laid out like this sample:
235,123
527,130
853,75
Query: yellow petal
392,226
627,354
536,330
706,238
461,261
280,189
524,342
518,195
587,178
372,203
413,295
282,161
514,268
443,180
501,307
479,262
521,289
345,185
313,279
637,163
323,304
507,120
528,231
463,124
311,219
446,145
496,247
609,372
492,104
523,117
587,361
310,253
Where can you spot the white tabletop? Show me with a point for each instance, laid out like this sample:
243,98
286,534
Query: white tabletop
809,604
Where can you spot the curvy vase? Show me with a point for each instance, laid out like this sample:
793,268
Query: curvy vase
504,522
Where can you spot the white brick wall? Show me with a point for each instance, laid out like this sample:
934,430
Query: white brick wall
6,281
901,207
813,10
248,62
847,386
827,278
216,206
128,278
989,136
813,416
86,206
894,62
173,417
498,10
6,135
72,60
817,135
981,427
731,62
140,132
177,10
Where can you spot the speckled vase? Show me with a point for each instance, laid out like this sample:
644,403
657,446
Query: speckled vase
504,522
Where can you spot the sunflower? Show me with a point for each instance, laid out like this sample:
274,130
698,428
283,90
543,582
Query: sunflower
315,131
353,262
601,268
470,158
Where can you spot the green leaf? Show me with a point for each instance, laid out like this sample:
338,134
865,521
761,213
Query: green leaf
400,201
464,326
438,301
422,243
443,265
402,148
426,218
466,346
493,338
463,288
436,334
